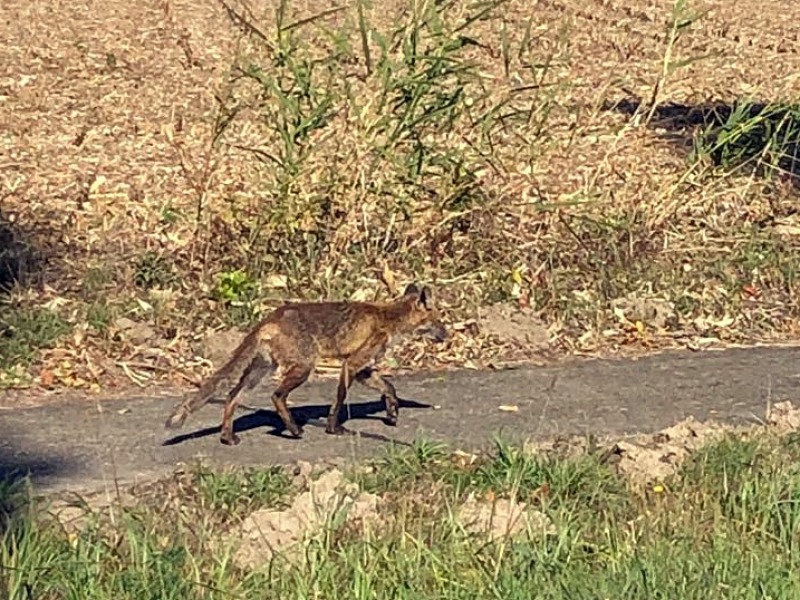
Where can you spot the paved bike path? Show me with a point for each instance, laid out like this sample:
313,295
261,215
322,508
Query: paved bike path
92,444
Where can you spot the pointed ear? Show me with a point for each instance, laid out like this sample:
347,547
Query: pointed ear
411,290
426,297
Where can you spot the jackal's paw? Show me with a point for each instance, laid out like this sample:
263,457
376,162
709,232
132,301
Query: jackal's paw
296,431
231,440
339,430
391,420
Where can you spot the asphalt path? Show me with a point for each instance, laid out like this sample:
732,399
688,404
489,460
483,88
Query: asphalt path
91,444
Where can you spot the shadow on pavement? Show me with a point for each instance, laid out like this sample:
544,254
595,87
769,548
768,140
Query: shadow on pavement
18,469
15,467
304,415
19,462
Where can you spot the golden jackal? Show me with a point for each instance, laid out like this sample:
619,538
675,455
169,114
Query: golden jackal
296,335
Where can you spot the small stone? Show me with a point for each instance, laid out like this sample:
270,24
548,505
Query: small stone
218,345
134,331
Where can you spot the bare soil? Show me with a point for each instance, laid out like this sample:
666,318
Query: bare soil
107,122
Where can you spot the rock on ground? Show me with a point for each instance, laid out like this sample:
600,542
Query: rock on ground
328,500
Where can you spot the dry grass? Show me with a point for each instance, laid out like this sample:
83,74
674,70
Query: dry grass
161,165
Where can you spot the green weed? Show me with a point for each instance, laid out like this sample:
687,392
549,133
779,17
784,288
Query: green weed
153,270
751,136
237,291
26,330
367,120
240,491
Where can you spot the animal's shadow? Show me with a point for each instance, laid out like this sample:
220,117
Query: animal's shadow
303,415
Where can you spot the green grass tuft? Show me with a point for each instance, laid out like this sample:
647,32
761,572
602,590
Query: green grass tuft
25,330
239,491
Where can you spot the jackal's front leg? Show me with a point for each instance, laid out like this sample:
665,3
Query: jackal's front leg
352,368
334,427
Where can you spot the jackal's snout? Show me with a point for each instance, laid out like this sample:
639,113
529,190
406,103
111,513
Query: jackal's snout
435,331
425,314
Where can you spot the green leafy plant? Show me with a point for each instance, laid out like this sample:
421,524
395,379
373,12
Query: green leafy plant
152,270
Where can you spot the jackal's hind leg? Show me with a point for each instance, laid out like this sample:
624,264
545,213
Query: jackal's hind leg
293,378
252,375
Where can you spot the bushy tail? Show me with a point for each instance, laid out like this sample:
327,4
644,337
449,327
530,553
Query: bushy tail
225,377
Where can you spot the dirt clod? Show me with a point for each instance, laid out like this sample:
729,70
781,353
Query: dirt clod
301,474
509,323
328,500
653,311
134,331
783,417
502,518
654,457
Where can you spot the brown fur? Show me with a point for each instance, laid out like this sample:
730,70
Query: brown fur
294,337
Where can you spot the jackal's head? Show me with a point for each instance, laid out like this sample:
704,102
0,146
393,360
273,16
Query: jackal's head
423,318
